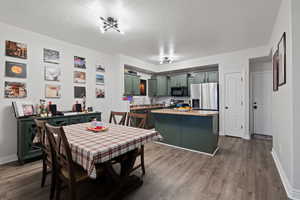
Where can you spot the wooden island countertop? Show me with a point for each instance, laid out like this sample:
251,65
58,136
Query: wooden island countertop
191,112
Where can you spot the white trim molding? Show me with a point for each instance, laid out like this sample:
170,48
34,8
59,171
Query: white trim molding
292,193
8,159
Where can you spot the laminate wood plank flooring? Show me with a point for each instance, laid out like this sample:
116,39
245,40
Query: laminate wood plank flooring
241,170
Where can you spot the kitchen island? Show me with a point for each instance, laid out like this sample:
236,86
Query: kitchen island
193,130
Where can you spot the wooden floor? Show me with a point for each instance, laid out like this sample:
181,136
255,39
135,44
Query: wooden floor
241,170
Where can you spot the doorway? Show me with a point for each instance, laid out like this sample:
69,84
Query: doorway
261,97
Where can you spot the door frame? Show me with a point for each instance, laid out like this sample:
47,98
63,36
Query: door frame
251,110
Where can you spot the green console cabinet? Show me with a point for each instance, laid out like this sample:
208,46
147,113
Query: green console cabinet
28,148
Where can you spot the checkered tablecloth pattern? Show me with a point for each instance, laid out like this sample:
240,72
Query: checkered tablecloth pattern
89,148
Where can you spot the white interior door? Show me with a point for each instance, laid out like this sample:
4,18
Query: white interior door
262,102
234,106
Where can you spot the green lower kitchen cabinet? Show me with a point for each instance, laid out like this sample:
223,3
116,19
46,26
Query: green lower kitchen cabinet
28,148
131,85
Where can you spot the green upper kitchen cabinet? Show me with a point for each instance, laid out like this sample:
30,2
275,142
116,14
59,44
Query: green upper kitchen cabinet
162,86
212,77
178,80
152,87
131,85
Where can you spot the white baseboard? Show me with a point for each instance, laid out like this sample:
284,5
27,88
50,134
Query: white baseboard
292,193
8,159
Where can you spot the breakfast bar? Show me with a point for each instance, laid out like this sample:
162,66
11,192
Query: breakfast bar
194,130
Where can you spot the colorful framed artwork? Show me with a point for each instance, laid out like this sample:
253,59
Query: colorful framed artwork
79,62
282,60
52,73
100,68
100,92
15,70
52,91
15,49
79,92
275,62
99,79
143,87
15,90
79,77
51,56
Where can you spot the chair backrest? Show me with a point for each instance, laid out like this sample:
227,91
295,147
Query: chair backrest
41,131
137,120
60,144
120,114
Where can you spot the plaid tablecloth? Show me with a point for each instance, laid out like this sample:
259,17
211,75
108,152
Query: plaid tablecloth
90,148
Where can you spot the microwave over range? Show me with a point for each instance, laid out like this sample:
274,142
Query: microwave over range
179,91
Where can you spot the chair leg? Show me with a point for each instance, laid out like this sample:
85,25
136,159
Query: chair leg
44,173
58,189
53,185
72,191
143,160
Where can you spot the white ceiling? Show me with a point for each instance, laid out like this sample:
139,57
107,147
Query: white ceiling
184,29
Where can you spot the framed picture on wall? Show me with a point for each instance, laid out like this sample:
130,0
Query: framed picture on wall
52,73
16,49
79,92
100,68
79,77
99,79
282,60
100,92
15,90
15,70
52,91
275,62
23,108
79,62
51,56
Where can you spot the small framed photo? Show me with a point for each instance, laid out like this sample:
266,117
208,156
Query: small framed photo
275,62
15,70
100,68
79,92
79,62
16,49
79,77
51,56
282,60
52,73
99,79
23,108
15,90
52,91
100,92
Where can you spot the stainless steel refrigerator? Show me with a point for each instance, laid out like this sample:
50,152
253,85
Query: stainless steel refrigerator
205,96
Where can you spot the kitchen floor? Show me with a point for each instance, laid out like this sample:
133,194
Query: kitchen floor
241,170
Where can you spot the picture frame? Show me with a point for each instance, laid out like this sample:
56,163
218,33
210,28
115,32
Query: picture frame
99,79
100,92
275,71
16,49
52,73
15,70
100,68
79,92
282,60
79,62
52,91
79,77
51,56
14,89
23,109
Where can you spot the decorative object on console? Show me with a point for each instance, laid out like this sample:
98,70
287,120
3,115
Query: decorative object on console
22,109
79,62
15,70
275,61
79,77
52,73
100,92
16,49
110,24
52,91
99,79
282,60
51,56
15,90
79,92
100,68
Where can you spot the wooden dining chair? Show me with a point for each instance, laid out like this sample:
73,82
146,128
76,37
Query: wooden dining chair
138,120
66,171
46,155
113,115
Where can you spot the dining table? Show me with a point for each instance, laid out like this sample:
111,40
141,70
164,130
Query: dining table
93,149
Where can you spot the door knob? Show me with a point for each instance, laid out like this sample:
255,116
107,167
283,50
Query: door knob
226,107
255,107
